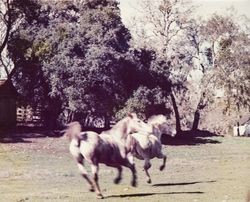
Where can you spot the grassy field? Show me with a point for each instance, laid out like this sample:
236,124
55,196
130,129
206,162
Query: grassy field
42,169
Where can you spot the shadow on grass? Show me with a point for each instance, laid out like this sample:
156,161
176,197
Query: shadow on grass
181,183
13,140
200,133
22,133
190,138
151,194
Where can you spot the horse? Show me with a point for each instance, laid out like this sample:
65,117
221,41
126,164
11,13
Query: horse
146,146
110,147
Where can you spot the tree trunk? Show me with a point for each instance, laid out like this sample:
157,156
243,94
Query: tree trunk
177,115
70,117
51,114
106,121
201,105
8,24
196,120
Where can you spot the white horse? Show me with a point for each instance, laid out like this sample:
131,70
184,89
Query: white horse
146,146
110,147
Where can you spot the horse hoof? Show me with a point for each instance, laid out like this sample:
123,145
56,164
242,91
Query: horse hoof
117,180
161,168
134,184
91,189
149,181
99,196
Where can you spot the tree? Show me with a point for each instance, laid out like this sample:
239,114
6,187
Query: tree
192,50
6,23
11,13
211,40
230,61
145,102
145,85
69,57
200,91
163,28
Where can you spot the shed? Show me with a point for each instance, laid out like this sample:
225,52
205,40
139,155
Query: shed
8,96
242,127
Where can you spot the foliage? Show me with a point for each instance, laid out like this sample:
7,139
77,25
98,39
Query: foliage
230,60
145,102
202,57
72,53
11,12
75,58
147,84
169,24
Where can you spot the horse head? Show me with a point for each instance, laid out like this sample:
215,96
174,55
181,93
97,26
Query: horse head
128,125
159,124
136,125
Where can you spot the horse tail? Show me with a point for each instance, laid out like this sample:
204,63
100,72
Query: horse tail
73,131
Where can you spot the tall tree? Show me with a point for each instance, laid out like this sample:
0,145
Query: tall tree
229,50
163,25
5,24
212,41
194,52
12,12
70,56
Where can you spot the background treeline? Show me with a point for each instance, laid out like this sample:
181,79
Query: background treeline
76,58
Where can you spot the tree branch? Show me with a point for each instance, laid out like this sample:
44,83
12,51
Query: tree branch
8,27
5,66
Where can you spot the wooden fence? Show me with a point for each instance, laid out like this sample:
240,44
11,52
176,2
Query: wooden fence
29,116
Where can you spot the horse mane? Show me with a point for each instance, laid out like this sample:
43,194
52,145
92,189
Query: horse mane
157,120
121,128
158,123
130,115
118,124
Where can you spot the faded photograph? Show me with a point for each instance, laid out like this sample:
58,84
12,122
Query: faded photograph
125,100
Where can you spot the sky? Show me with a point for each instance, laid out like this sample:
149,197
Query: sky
205,9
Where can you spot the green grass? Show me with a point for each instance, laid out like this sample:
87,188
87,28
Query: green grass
43,170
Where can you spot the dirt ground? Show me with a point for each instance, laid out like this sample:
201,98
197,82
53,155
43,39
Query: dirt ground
41,169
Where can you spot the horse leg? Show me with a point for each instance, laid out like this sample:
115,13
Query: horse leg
129,163
134,175
94,169
119,176
84,173
164,157
147,165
